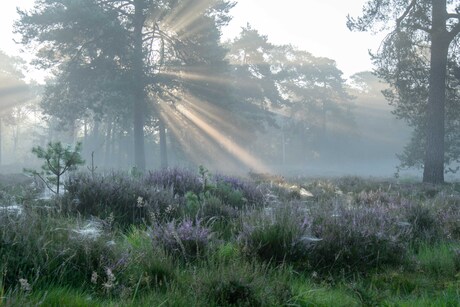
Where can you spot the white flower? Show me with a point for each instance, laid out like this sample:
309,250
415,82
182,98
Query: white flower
94,277
140,202
25,286
110,283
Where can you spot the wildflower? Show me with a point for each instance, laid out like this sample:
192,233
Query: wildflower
25,286
169,209
110,283
94,277
140,202
110,218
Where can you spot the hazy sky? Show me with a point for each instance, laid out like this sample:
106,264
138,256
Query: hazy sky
317,26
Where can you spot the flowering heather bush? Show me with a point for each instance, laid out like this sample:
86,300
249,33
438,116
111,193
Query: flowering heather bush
46,249
214,208
250,191
180,180
446,210
277,234
356,239
140,266
423,222
129,200
322,190
377,198
187,239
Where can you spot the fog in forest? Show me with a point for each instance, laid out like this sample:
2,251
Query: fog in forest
152,86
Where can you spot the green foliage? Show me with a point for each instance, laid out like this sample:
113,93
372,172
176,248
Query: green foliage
424,223
119,62
193,203
321,250
127,199
43,248
241,283
279,235
57,161
427,103
438,260
227,252
143,268
306,293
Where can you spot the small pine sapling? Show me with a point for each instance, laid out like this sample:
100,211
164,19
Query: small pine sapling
58,160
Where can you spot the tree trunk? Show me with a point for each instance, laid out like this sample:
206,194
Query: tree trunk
108,141
433,171
163,148
15,139
95,142
1,141
138,86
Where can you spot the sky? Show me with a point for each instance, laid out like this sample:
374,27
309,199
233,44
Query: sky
317,26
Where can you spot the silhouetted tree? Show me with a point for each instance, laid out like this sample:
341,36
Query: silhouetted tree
128,40
282,78
14,93
414,60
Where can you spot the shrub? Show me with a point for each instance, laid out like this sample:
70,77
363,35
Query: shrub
357,239
187,239
57,161
242,283
276,234
234,292
214,208
45,249
424,224
127,199
142,267
180,181
237,192
438,260
226,252
448,215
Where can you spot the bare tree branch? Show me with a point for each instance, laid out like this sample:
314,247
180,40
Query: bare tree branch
406,12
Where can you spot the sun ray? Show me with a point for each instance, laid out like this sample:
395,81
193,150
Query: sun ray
230,146
197,76
199,147
185,14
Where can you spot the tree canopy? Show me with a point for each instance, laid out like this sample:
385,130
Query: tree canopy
418,59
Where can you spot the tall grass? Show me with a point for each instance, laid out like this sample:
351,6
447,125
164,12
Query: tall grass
176,237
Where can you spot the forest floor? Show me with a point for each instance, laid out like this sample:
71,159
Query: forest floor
178,237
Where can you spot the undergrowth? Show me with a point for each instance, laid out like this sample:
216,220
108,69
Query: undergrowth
178,237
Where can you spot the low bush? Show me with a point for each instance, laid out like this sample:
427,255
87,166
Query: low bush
276,234
128,200
187,239
180,181
141,267
43,249
439,260
357,239
237,192
241,283
424,224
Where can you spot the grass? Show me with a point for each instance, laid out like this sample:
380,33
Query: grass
335,242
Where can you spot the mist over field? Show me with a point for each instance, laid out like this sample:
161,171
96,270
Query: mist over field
229,153
187,84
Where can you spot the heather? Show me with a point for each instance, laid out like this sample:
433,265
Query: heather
189,237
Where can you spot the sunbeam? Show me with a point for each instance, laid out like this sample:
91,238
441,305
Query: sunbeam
230,146
183,16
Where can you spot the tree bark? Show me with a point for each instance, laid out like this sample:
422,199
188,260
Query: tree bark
433,171
1,140
163,148
138,78
108,141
